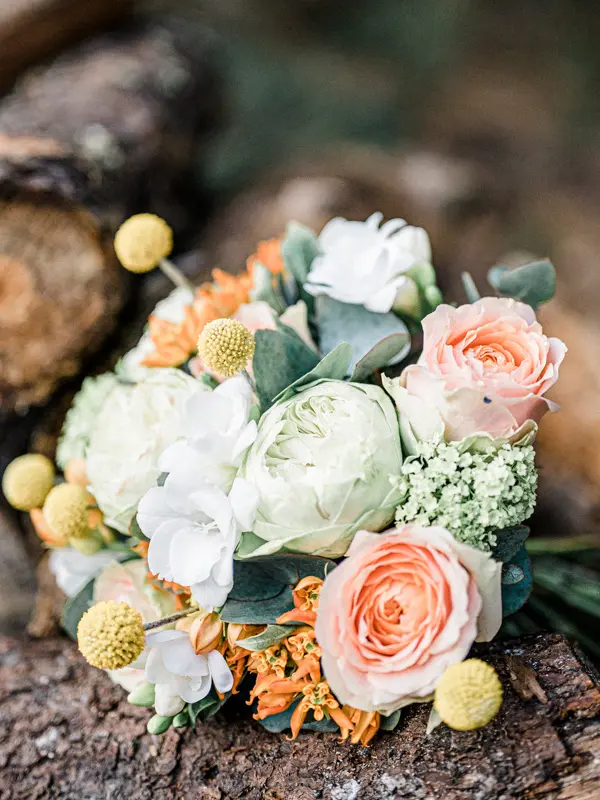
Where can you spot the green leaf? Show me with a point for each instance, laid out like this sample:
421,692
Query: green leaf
279,360
262,587
161,480
516,582
158,725
334,366
75,608
298,250
269,637
364,331
470,287
136,531
207,707
509,541
390,722
143,695
267,289
533,283
277,723
380,355
182,720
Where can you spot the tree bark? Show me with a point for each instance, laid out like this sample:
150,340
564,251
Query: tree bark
66,731
34,29
113,127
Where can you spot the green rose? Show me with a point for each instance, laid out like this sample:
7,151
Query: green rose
321,463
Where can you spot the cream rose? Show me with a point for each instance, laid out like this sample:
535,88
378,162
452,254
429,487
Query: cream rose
485,368
403,606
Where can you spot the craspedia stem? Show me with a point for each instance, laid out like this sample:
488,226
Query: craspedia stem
175,275
149,626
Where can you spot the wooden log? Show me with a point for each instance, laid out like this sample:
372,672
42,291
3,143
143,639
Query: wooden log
113,127
34,29
66,731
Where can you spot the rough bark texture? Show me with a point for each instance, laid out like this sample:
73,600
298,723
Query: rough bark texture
110,128
66,731
34,29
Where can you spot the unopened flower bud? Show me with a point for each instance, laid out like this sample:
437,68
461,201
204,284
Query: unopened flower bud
206,633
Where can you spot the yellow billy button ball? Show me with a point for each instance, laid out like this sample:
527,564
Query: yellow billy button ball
111,635
225,346
142,242
469,695
66,510
27,481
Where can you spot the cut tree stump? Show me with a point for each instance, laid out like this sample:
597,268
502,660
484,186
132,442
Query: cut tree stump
34,29
113,127
66,731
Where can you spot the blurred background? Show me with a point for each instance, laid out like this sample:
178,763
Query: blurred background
475,119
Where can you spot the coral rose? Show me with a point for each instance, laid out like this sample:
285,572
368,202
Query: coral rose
485,368
402,607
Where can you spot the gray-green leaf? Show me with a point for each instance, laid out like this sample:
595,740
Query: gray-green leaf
533,283
269,637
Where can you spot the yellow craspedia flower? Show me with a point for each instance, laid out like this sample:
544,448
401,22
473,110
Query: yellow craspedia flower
111,635
66,510
225,346
27,481
142,241
469,695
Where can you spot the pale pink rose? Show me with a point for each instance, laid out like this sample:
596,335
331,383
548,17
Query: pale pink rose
402,607
485,368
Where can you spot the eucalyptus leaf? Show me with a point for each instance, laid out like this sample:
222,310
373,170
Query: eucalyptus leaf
277,723
136,531
298,250
279,360
509,541
380,355
269,637
470,287
334,366
390,722
267,289
206,708
516,582
434,720
532,283
262,586
363,330
75,607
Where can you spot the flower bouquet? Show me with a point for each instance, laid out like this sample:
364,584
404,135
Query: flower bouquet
307,482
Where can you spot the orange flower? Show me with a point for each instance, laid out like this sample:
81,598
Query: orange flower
272,660
318,699
267,253
306,602
366,725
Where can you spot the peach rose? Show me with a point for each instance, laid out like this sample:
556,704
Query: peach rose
403,606
485,368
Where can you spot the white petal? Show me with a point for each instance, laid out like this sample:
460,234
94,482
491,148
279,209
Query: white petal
155,669
193,553
209,594
159,559
166,703
221,674
192,691
153,510
244,499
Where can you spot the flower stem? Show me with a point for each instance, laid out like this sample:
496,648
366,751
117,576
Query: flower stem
563,544
246,375
149,626
175,275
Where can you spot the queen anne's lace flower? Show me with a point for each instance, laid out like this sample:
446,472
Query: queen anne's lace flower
470,494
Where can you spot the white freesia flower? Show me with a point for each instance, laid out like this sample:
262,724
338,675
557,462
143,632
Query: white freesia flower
172,309
216,433
135,426
194,528
321,464
365,264
181,676
73,569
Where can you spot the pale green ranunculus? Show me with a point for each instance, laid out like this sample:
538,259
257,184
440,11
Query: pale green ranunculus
322,462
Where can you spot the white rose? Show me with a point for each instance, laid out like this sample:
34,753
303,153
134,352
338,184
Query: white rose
136,424
72,569
321,464
364,264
